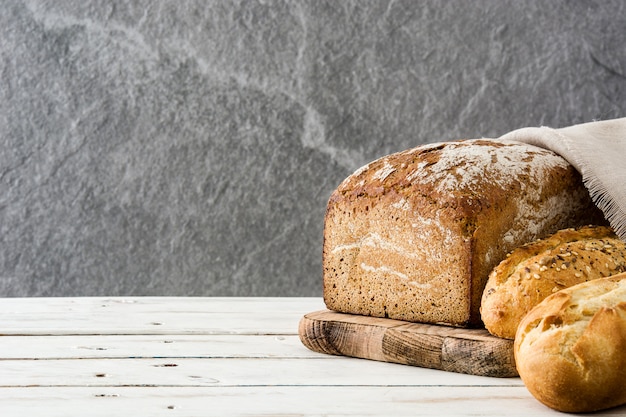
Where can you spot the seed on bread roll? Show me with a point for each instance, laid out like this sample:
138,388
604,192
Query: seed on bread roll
536,270
570,350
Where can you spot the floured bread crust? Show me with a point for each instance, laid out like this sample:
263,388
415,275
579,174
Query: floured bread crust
538,269
570,350
414,235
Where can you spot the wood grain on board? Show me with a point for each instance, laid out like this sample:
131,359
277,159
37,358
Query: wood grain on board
468,351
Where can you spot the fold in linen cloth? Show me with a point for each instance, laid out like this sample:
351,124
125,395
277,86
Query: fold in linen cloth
598,151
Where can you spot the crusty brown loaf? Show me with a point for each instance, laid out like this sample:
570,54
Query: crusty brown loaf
414,235
536,270
570,350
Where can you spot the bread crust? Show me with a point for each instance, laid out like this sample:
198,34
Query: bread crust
536,270
413,235
570,350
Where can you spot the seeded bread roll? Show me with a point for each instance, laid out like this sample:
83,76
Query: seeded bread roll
536,270
413,235
570,350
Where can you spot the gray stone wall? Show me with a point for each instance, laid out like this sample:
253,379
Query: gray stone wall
189,147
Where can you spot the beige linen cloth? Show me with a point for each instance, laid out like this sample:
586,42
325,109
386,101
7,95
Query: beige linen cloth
598,151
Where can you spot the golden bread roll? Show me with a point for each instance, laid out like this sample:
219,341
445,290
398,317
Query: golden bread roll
570,350
534,271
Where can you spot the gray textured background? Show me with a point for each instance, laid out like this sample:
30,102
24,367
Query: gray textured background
189,147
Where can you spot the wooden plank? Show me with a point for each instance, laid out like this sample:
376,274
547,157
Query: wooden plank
283,400
469,351
153,346
36,305
152,316
163,323
230,372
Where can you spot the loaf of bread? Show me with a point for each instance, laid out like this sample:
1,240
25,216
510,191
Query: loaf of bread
570,350
538,269
414,235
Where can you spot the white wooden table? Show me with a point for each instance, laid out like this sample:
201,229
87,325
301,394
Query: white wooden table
214,357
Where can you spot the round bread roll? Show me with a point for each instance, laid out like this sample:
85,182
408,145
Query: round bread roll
570,350
536,270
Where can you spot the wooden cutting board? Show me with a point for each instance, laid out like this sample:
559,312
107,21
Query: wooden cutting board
468,351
